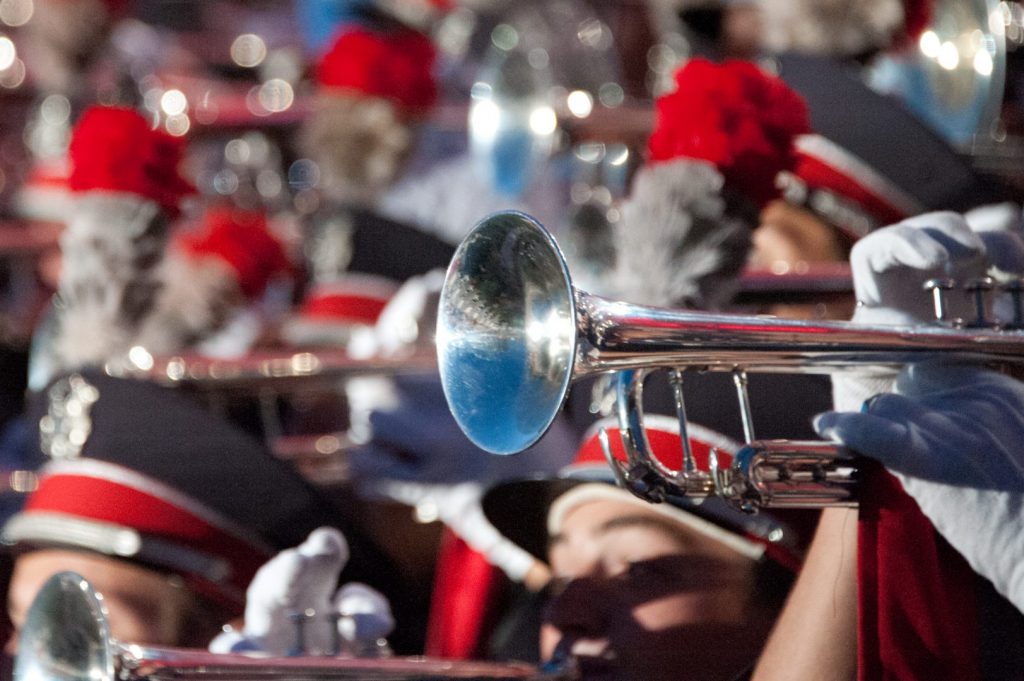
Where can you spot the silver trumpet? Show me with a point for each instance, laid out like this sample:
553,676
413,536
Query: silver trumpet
513,334
278,371
66,637
270,376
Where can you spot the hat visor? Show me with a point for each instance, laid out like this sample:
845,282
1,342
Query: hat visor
519,510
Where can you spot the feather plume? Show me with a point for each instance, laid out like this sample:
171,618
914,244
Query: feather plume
679,244
736,116
109,280
196,300
427,200
114,149
360,145
837,28
396,65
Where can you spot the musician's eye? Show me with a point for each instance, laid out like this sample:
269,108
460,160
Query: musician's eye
653,570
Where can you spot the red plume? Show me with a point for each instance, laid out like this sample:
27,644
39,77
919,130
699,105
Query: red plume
397,65
115,149
737,117
242,240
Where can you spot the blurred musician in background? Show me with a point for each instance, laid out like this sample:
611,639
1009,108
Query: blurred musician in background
151,498
375,86
694,218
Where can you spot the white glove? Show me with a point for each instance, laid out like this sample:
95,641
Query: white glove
954,436
890,267
295,580
365,617
996,217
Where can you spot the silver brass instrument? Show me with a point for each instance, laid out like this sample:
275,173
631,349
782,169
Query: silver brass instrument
66,637
272,375
280,371
513,334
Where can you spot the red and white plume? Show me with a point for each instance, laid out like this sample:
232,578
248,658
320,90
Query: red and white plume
720,139
126,187
373,86
211,273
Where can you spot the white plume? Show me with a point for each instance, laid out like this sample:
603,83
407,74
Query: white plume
61,39
430,201
197,298
677,245
837,28
360,145
112,249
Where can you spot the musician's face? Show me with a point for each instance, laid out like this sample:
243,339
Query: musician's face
647,597
145,606
791,239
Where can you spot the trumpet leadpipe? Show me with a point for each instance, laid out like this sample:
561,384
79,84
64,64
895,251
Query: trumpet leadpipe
278,370
615,335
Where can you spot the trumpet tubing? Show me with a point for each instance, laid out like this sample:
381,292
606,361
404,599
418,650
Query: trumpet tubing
513,334
615,336
278,371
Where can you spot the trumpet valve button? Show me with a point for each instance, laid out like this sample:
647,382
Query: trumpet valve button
979,289
938,288
1015,288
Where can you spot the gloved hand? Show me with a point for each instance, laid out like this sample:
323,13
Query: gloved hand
1001,228
365,617
294,581
954,436
890,267
407,321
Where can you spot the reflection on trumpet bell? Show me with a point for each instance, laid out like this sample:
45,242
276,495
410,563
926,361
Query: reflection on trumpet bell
513,334
66,637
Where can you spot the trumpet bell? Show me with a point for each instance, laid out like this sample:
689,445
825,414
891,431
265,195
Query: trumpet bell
506,333
65,636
